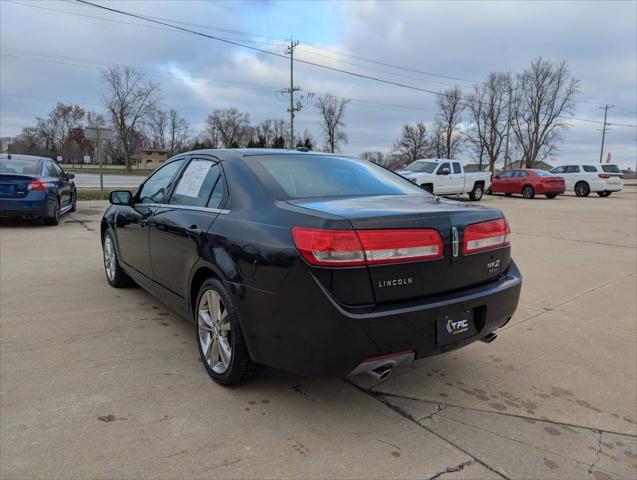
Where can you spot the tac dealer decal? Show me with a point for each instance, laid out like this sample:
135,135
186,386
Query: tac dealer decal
456,327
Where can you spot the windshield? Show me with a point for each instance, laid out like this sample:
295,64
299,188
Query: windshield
611,169
20,166
311,176
427,167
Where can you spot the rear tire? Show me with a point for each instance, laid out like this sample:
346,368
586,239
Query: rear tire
582,189
477,192
551,195
55,218
219,337
604,194
114,274
528,192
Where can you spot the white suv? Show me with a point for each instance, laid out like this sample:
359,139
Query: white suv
584,178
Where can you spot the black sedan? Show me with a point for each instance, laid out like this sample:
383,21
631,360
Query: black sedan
312,263
35,188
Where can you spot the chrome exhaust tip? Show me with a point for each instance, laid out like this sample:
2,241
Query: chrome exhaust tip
382,372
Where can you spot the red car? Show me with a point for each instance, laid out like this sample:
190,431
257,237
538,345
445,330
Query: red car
528,183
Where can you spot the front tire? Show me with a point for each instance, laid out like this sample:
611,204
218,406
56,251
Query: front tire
582,189
114,274
219,337
54,219
528,192
477,192
604,194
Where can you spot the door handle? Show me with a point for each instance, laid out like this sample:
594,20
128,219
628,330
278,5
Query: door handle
193,231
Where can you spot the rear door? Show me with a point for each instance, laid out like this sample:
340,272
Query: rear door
63,184
178,227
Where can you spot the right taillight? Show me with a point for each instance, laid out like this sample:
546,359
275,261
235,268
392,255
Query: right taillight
335,248
36,186
486,236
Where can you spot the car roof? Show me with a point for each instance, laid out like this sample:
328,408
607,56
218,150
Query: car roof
225,154
11,156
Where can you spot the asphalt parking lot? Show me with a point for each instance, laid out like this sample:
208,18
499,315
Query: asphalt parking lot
97,382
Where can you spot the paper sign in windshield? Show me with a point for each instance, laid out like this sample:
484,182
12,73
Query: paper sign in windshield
193,178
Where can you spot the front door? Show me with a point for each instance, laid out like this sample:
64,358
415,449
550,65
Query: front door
456,178
443,179
132,222
178,228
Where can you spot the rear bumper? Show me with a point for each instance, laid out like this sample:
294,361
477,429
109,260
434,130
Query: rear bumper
35,203
544,189
302,329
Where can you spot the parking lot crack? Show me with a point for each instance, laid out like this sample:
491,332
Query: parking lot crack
457,468
597,454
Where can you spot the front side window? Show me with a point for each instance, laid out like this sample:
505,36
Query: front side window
443,167
589,168
196,183
520,174
505,175
571,169
314,176
558,170
155,188
425,167
456,167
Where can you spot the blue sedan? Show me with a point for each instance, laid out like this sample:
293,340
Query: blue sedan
35,187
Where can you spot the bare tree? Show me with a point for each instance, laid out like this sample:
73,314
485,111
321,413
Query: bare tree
375,157
129,99
332,111
272,133
54,130
413,143
489,109
228,127
95,119
168,130
544,92
450,106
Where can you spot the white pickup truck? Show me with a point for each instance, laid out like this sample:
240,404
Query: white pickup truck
447,177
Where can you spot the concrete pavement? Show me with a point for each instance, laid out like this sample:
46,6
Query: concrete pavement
105,383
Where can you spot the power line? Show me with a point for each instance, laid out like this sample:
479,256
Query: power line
318,65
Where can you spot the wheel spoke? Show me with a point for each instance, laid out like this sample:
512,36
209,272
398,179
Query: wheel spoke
214,304
214,351
224,351
205,348
207,321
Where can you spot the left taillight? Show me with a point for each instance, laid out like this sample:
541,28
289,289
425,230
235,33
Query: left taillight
604,176
325,247
36,186
486,236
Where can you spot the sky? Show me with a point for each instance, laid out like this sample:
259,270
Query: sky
53,51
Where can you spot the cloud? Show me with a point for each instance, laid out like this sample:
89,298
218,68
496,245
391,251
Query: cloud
466,40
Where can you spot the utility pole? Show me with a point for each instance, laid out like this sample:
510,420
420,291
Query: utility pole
507,160
292,108
601,152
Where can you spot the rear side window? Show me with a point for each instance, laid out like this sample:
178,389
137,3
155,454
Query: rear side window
311,176
456,167
589,168
155,188
19,167
196,183
611,169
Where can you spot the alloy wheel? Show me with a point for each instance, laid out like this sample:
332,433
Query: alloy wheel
110,261
215,331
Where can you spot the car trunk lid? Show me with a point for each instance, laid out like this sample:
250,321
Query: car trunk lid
14,186
407,280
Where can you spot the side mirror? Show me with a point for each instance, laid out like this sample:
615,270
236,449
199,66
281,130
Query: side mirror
70,175
445,171
120,197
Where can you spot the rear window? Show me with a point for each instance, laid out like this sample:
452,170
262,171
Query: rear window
542,173
311,176
20,166
611,169
427,167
